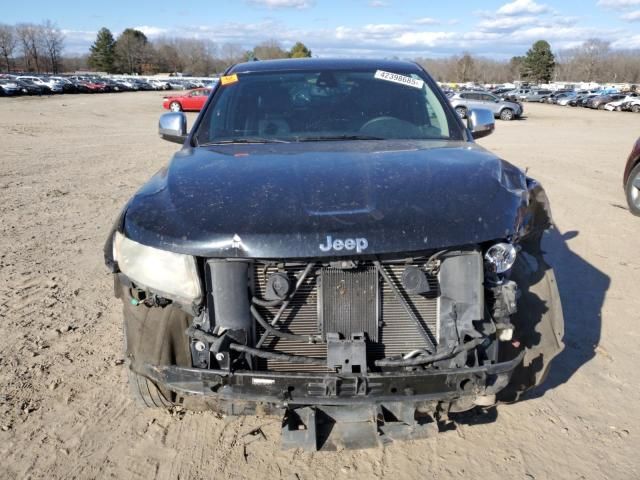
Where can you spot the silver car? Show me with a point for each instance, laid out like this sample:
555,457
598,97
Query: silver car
462,102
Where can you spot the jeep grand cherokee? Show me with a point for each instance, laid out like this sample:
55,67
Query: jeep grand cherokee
331,244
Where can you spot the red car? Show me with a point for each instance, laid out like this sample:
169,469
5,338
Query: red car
192,101
631,179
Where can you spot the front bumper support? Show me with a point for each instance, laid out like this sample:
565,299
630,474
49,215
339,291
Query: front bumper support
286,389
331,411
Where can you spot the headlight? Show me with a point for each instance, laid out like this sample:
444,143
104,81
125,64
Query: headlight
500,257
167,273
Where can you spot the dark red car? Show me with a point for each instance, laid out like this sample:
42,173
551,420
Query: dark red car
190,101
631,179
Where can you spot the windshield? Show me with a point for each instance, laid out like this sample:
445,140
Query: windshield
298,106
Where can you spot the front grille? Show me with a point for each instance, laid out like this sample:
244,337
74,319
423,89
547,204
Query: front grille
390,331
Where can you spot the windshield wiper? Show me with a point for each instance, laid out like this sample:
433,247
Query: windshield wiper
228,141
329,138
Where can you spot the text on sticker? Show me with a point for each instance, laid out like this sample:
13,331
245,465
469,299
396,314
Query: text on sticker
228,79
397,78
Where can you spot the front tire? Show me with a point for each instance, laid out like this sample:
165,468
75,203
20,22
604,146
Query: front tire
153,336
635,108
506,114
632,190
175,107
146,393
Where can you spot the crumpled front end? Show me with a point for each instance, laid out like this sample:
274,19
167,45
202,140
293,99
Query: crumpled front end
387,347
356,346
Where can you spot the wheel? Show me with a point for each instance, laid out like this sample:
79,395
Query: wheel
601,106
153,336
635,108
462,112
633,191
175,107
506,114
146,393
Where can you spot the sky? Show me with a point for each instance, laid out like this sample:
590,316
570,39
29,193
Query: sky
334,28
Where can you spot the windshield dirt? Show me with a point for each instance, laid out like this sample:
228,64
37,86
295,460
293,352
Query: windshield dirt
325,105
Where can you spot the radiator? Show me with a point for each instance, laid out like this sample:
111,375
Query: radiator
364,303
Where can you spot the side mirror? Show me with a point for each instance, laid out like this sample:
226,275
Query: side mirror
481,122
173,127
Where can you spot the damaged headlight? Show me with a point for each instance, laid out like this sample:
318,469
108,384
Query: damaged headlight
500,257
166,273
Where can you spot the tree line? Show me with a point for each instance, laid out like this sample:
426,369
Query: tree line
593,61
133,52
33,47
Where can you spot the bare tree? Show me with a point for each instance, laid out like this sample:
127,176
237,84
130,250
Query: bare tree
270,49
53,42
231,53
7,43
30,42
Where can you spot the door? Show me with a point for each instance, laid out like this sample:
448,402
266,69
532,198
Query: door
191,100
201,99
472,100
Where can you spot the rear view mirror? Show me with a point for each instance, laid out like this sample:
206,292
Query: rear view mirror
173,127
481,122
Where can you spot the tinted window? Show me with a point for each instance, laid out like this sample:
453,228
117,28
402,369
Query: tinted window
308,105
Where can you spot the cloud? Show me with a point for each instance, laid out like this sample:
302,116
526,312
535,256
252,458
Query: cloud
150,31
632,16
300,4
632,42
500,36
618,3
506,24
519,7
426,21
378,4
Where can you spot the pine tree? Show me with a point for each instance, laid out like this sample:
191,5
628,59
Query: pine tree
539,63
102,55
299,50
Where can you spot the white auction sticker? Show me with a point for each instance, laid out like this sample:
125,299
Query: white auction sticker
262,381
397,78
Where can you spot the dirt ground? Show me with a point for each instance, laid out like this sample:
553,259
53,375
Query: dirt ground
68,164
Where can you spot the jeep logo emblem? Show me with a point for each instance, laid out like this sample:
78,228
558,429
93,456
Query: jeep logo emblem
357,244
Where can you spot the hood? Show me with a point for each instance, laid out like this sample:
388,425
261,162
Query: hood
328,199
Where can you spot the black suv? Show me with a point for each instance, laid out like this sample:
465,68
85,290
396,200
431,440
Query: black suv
331,244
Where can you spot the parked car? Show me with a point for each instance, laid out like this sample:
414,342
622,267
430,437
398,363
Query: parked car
599,101
500,91
28,87
67,85
536,95
190,101
331,243
175,84
8,88
517,94
555,96
565,99
48,85
159,84
462,102
631,106
631,179
579,100
617,104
